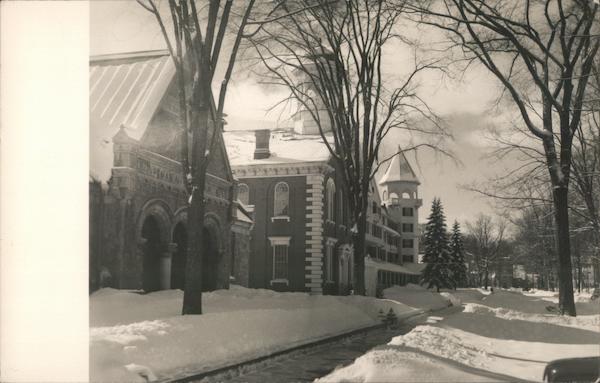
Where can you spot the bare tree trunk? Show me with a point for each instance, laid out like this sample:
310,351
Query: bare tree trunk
192,297
596,254
359,250
579,273
486,277
566,301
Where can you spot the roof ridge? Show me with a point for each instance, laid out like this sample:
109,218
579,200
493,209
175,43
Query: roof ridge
130,55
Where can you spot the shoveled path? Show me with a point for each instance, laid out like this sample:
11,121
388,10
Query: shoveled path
315,362
307,365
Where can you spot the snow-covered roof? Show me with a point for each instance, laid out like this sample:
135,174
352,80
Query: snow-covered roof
399,169
285,148
125,90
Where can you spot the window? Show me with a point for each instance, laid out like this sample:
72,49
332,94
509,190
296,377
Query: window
376,231
407,211
408,243
374,207
328,265
280,262
280,247
407,258
330,190
243,193
281,200
407,227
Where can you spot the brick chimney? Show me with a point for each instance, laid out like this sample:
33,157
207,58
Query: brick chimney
262,144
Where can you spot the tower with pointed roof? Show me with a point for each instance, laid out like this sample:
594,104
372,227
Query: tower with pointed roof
399,188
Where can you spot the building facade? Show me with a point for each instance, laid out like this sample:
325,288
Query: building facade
301,238
138,203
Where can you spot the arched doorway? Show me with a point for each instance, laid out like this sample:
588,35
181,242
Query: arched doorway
210,259
153,247
179,257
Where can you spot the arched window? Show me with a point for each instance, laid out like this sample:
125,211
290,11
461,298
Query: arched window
330,190
281,200
385,195
243,194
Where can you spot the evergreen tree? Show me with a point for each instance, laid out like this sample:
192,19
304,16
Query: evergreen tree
437,250
457,257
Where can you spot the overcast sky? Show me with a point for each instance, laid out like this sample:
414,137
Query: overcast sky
123,26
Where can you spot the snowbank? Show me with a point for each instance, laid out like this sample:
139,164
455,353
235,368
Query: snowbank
523,360
585,322
392,364
418,297
146,333
502,336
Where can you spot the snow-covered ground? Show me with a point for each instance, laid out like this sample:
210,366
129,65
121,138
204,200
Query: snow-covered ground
503,336
134,335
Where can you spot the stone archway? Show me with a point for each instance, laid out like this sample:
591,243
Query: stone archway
211,254
178,259
153,248
153,236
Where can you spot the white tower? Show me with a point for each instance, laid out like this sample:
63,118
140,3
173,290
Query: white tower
400,194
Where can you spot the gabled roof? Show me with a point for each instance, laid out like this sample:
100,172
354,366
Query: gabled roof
125,90
399,169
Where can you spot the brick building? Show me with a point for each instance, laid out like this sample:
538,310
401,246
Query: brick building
301,237
138,204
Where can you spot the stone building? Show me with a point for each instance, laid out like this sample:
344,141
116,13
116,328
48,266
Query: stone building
138,204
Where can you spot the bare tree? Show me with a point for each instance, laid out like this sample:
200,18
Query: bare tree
586,168
331,58
551,44
488,236
196,53
534,245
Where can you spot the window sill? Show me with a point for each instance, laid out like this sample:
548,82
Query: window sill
281,281
280,218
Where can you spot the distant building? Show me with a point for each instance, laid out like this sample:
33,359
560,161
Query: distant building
399,188
138,204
